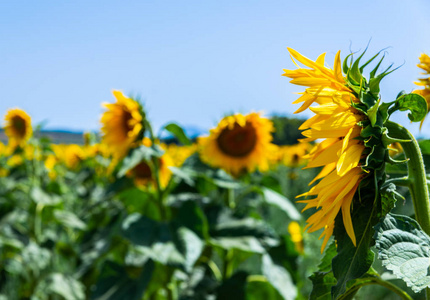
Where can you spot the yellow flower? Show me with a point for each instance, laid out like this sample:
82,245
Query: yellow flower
339,154
239,143
122,124
17,127
425,82
296,236
179,153
71,155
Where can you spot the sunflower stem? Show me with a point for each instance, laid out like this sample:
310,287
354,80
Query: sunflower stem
417,177
156,162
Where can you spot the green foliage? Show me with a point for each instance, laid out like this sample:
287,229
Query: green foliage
286,130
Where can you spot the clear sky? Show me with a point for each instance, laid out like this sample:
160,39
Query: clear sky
190,61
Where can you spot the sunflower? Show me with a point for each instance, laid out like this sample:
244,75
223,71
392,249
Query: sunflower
71,155
17,127
143,173
425,82
239,143
339,154
179,153
122,124
295,232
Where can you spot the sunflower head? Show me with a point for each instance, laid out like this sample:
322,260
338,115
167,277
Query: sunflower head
143,173
122,124
18,127
239,143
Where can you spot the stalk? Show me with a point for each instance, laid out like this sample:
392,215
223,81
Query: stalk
417,177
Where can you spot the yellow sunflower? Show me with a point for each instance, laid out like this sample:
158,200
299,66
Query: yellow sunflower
17,127
122,124
339,154
425,82
179,153
239,143
143,173
71,155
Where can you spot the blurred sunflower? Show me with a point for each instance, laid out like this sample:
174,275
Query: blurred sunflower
179,153
340,152
143,173
425,82
122,124
71,155
239,143
18,127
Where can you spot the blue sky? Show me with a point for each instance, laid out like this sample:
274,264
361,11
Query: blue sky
190,61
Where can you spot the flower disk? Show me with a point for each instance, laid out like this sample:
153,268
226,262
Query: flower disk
122,124
17,127
340,152
239,143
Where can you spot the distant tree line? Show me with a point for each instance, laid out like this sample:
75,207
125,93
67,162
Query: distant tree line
286,130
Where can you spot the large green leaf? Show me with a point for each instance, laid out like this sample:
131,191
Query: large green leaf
279,278
62,285
353,262
404,249
245,234
168,244
41,197
278,200
69,219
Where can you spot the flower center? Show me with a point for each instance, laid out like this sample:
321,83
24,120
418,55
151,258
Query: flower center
18,125
126,118
142,171
239,141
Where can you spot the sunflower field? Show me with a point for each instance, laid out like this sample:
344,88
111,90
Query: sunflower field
230,214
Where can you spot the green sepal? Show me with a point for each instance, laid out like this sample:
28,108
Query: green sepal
416,104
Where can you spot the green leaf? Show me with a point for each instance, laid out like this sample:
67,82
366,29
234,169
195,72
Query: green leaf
388,198
136,156
169,244
185,174
39,196
415,103
329,253
178,132
323,280
404,249
69,220
353,262
246,234
119,282
322,283
62,285
257,290
281,202
279,278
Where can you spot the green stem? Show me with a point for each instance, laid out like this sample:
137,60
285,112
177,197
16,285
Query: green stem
156,164
417,177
